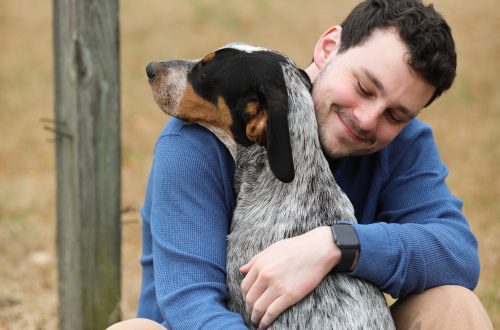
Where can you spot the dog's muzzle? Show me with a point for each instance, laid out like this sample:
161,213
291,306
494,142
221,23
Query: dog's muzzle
155,69
168,81
150,70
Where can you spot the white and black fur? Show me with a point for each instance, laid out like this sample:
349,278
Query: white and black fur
269,209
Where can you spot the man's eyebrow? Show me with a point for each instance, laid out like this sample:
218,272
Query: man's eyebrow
373,79
378,84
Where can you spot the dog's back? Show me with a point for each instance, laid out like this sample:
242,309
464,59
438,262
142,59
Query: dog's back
269,210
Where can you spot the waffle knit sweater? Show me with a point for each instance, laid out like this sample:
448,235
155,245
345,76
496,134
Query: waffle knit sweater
412,233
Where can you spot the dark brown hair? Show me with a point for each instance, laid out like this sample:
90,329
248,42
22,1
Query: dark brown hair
424,31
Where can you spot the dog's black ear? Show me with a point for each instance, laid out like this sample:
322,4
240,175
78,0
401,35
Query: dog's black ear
306,80
279,149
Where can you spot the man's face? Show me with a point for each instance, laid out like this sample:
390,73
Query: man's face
365,96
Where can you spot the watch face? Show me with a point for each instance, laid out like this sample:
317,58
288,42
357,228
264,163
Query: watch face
346,236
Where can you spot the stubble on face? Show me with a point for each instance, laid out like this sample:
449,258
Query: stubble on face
339,146
362,102
330,117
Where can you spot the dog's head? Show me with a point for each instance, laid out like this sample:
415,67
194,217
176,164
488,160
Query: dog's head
239,89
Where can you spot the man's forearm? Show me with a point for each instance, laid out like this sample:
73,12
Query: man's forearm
407,258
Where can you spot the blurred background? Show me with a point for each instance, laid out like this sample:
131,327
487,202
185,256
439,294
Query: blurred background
466,123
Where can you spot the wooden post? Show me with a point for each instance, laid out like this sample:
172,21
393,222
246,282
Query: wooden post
87,110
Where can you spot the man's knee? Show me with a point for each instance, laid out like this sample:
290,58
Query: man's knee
136,324
443,307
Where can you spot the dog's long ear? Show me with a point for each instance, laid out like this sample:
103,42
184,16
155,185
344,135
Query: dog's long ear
279,149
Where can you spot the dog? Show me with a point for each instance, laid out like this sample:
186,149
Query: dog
259,104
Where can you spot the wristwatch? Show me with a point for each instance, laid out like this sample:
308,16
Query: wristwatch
346,239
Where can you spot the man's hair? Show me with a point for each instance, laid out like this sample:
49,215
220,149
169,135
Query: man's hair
420,27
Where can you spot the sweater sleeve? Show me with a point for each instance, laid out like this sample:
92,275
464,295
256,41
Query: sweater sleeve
421,238
188,224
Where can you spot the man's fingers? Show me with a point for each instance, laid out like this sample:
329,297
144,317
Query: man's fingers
274,310
261,305
248,281
253,295
246,267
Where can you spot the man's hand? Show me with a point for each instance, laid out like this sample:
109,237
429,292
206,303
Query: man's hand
284,273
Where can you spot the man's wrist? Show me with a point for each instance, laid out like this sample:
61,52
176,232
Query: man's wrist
331,254
346,239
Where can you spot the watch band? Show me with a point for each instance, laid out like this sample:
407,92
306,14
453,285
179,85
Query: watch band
346,260
346,239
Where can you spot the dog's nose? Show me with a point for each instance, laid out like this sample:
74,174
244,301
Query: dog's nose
150,71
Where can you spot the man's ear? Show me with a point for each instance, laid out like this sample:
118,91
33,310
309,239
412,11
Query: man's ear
327,45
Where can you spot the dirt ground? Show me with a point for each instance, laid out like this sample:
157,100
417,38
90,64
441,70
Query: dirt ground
466,122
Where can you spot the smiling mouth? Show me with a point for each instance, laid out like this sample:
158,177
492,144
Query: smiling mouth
350,132
354,134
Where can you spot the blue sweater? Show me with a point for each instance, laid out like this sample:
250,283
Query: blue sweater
412,233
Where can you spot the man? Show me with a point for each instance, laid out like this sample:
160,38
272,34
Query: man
371,77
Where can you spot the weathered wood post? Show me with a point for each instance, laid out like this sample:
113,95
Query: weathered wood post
87,110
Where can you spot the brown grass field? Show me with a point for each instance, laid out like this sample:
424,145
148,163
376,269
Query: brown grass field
466,122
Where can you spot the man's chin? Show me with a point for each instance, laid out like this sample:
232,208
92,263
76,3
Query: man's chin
333,152
339,148
337,153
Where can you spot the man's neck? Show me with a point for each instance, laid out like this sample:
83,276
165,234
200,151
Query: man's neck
312,71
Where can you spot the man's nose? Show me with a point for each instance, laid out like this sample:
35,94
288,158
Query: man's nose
367,117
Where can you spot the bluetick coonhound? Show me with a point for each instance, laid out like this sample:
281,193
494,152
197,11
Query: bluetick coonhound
259,104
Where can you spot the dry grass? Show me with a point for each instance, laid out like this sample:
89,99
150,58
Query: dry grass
466,123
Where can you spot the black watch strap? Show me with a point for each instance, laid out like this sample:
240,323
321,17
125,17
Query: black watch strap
346,260
346,239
